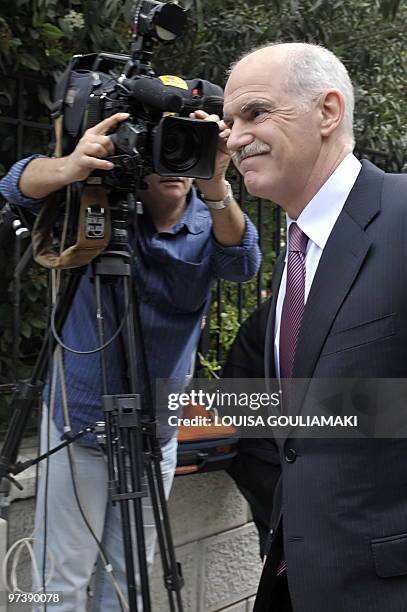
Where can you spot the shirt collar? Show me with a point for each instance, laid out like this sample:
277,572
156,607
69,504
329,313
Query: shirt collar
193,216
320,214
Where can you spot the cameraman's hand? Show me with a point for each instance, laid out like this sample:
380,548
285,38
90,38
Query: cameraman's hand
215,186
228,224
91,149
43,175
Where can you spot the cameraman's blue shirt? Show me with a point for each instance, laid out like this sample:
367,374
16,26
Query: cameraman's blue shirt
174,271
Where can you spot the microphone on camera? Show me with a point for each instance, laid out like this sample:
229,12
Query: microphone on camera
152,92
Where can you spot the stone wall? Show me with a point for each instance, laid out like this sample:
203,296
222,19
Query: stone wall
216,543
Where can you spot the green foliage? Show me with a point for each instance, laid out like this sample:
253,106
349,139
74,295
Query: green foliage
369,36
42,35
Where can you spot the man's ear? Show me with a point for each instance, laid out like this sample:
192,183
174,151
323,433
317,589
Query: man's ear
332,106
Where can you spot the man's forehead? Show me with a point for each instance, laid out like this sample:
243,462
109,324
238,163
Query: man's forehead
237,97
238,100
259,71
250,86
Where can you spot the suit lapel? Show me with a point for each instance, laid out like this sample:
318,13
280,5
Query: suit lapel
339,266
341,261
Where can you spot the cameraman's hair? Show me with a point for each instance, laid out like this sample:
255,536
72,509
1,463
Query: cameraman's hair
310,70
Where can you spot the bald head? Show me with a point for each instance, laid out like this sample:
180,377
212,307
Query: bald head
306,71
289,111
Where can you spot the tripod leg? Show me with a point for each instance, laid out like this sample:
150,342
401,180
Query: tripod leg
125,516
172,572
118,484
172,576
136,455
132,429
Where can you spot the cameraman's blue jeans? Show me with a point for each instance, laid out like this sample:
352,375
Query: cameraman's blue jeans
68,539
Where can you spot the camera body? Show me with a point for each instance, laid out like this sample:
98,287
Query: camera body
158,137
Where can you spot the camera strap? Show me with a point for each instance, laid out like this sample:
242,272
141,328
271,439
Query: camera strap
86,211
93,229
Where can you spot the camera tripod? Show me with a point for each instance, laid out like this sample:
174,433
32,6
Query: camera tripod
129,430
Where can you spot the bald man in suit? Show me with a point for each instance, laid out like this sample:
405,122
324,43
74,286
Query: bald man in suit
338,538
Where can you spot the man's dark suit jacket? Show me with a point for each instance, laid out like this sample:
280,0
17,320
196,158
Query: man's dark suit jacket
343,503
256,467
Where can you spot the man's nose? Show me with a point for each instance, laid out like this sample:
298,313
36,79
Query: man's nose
238,138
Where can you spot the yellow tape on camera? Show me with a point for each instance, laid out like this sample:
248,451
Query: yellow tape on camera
173,81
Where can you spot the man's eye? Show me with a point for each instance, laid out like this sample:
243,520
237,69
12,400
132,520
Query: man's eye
259,113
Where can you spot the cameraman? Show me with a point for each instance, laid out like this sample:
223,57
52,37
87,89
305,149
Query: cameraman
181,246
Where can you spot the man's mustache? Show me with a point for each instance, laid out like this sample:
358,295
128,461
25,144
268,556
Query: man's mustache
254,148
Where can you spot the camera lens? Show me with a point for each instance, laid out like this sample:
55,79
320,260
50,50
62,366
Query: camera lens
181,148
185,147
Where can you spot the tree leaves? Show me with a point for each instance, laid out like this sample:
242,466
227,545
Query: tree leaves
50,31
354,29
28,61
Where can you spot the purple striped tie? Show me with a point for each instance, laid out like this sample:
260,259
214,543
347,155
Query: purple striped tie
293,309
293,306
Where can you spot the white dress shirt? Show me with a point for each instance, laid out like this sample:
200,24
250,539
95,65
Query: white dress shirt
317,221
